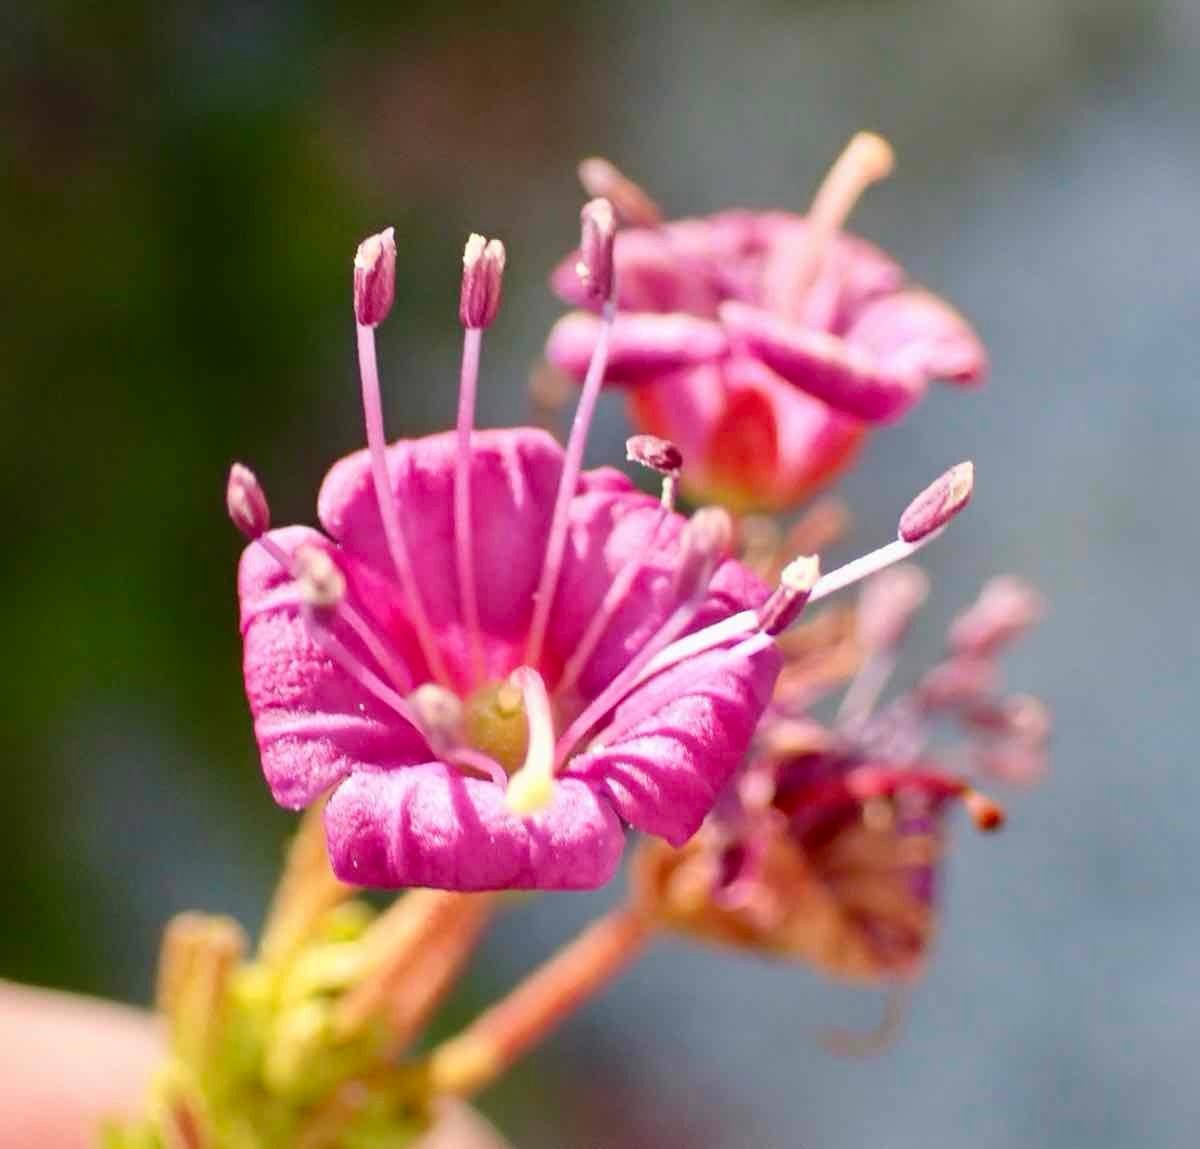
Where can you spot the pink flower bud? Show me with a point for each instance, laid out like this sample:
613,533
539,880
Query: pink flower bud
887,606
483,277
659,455
375,278
595,266
1006,608
246,503
599,177
935,506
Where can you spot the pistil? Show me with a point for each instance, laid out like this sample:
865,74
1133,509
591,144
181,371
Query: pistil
573,462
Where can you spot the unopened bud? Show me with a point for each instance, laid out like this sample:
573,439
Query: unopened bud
375,278
789,598
599,178
322,584
957,682
599,230
659,455
706,540
247,505
483,277
935,506
888,604
1006,608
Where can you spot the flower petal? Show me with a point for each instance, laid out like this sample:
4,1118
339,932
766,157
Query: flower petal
514,477
429,825
313,723
846,375
643,344
689,729
916,332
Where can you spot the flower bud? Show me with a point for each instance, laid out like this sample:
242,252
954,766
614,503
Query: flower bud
247,505
1006,608
595,266
887,606
375,278
599,177
483,277
935,506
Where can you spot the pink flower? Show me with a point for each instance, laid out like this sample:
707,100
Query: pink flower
765,344
492,660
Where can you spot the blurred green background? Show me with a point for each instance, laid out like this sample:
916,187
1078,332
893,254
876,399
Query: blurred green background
182,188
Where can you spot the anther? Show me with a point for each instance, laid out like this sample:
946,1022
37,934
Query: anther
322,585
246,502
935,506
599,178
375,278
482,281
659,455
598,225
789,598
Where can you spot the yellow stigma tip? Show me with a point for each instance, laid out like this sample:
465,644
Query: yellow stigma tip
528,792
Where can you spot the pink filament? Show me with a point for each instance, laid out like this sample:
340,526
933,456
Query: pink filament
677,622
463,549
366,678
616,595
393,667
651,703
572,465
373,414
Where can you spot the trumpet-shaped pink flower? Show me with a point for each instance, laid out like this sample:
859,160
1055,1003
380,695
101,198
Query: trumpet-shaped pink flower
492,660
765,344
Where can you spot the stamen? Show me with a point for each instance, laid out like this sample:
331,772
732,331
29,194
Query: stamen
599,177
572,464
598,224
651,703
388,511
867,159
659,455
613,599
987,814
940,502
322,587
246,502
482,281
481,763
791,596
887,606
531,788
375,278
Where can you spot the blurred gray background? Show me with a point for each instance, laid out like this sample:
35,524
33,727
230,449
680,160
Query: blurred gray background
182,191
